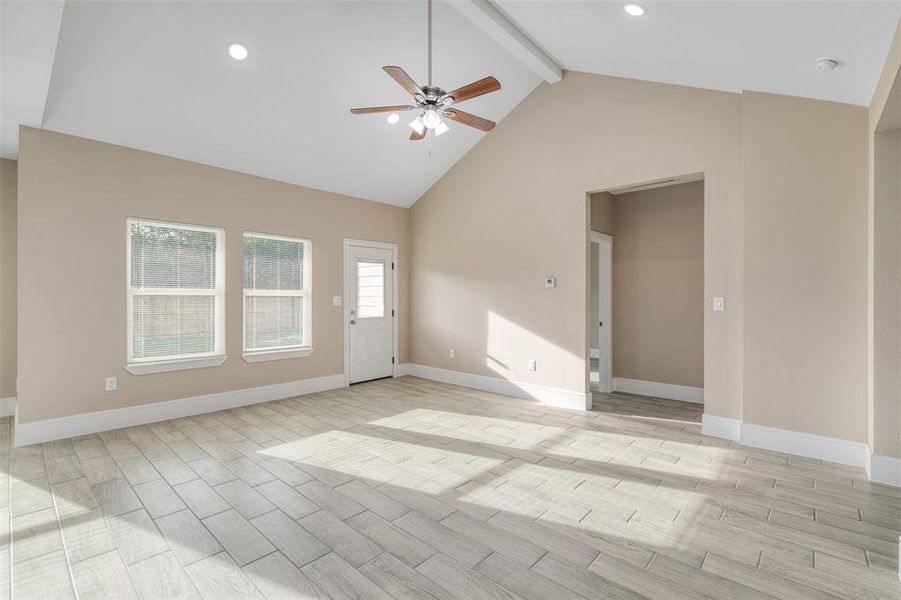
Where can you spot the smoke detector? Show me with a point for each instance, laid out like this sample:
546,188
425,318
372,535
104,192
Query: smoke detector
827,63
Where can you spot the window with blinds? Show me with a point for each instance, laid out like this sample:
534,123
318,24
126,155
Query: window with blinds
277,308
175,291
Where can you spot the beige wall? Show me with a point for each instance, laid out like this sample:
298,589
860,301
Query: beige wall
510,211
887,310
658,285
883,412
8,194
601,210
75,196
804,166
514,209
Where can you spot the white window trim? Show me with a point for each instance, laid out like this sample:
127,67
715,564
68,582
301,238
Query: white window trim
138,366
282,352
177,364
263,356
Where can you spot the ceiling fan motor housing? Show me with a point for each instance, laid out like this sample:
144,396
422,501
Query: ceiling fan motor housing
432,94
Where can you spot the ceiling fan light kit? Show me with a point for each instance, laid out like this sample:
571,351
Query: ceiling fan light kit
433,103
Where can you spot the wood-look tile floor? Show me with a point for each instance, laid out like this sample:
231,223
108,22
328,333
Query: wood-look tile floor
412,489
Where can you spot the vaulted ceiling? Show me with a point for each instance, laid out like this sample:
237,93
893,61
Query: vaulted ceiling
156,75
764,46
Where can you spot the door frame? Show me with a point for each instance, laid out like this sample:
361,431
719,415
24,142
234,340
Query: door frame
604,333
345,315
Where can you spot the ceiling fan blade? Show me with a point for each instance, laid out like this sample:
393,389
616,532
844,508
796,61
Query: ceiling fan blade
418,136
380,109
459,116
473,90
405,81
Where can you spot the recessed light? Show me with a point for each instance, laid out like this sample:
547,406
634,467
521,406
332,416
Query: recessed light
393,118
636,10
237,51
827,63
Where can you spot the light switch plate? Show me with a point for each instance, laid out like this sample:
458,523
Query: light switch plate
451,354
111,384
719,304
533,365
336,300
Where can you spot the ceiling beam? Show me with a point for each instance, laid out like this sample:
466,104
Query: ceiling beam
493,22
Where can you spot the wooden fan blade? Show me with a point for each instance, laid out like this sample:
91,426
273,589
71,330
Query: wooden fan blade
473,90
405,81
418,136
380,109
459,116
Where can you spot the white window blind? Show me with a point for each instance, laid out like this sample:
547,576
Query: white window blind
175,291
277,308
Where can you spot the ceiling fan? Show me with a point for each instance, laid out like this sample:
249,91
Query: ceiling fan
433,102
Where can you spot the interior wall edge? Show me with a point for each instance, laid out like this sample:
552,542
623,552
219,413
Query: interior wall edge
879,414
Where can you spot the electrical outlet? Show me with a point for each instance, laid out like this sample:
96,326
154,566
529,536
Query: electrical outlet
111,384
451,354
533,365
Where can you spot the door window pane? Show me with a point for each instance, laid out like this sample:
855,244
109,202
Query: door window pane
370,289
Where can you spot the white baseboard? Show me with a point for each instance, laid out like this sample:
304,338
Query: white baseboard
831,449
721,427
8,406
402,369
595,353
64,427
655,389
884,469
544,395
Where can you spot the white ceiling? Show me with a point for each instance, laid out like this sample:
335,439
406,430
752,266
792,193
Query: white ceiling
763,46
28,31
156,76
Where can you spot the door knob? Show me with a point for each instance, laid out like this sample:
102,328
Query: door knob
353,321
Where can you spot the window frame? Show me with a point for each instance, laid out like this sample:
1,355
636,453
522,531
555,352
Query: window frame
141,366
305,348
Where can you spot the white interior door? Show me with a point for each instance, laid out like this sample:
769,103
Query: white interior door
369,309
604,323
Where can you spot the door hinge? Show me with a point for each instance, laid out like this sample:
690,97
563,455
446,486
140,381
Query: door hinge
392,266
602,323
392,312
392,360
